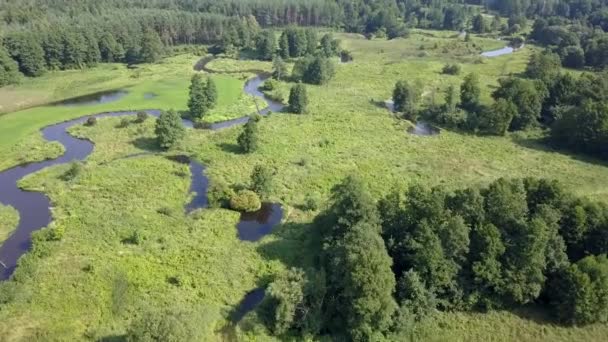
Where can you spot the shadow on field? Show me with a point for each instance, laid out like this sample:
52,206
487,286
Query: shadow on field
544,145
296,245
147,144
230,148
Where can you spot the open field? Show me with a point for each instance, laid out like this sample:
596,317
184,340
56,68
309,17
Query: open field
196,261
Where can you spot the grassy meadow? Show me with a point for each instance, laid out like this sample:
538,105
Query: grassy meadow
127,243
168,80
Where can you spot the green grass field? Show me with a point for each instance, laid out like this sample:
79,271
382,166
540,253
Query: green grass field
168,80
197,261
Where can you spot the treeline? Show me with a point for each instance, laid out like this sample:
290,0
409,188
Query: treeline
385,265
130,36
573,109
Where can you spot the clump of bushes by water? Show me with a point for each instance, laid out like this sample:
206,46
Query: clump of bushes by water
261,180
124,122
219,194
141,117
312,201
245,200
92,121
269,85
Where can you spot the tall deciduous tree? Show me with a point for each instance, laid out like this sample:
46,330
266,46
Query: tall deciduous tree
404,97
248,139
298,99
470,93
198,103
9,69
169,129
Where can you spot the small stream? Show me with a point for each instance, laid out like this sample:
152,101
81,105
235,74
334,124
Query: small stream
35,208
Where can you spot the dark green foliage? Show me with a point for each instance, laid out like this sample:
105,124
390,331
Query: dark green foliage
315,70
210,93
415,296
248,139
73,171
284,299
219,194
284,46
405,97
92,121
527,96
543,66
245,200
298,99
362,284
329,46
579,294
9,69
261,180
583,128
27,52
479,24
279,68
470,93
198,103
451,69
141,117
312,40
110,50
169,129
266,45
497,119
151,47
493,248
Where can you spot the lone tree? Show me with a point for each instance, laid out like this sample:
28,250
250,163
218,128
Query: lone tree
298,100
248,139
404,97
279,68
469,93
169,129
210,93
197,103
261,180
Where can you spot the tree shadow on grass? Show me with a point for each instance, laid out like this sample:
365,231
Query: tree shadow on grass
113,338
295,245
230,148
147,144
543,144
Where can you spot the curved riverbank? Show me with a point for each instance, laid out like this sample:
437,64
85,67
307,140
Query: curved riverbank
34,208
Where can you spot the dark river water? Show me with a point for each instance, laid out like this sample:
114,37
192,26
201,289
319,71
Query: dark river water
34,207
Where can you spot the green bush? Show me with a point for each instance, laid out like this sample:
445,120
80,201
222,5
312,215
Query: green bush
451,69
124,122
141,117
261,180
92,121
219,194
245,200
312,201
269,85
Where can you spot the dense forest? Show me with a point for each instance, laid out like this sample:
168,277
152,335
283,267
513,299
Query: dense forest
382,266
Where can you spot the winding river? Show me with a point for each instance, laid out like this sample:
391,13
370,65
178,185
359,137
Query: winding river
35,208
